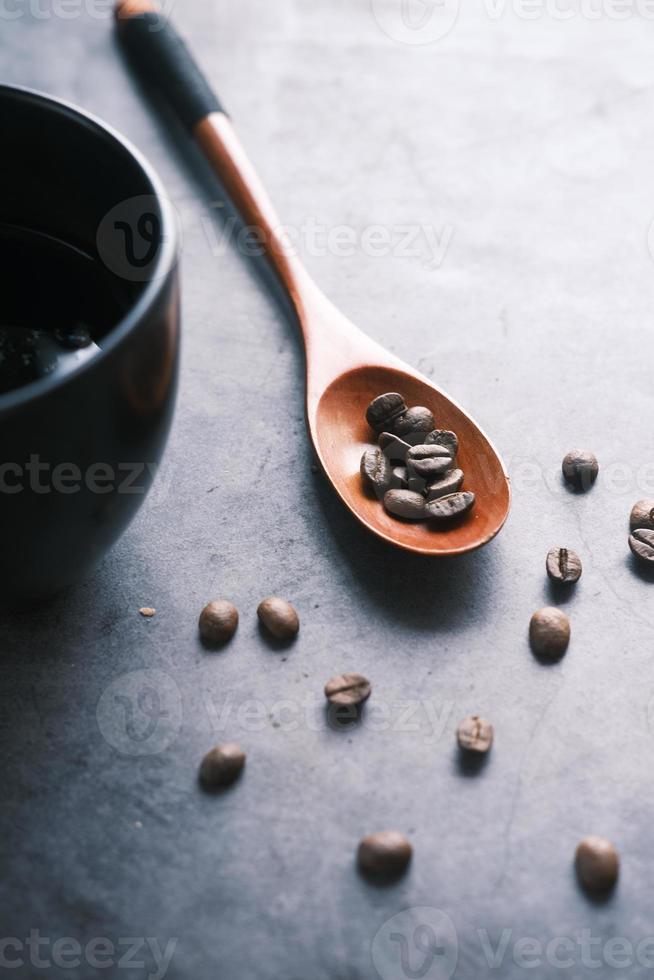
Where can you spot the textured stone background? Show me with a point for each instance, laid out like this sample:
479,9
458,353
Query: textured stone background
529,143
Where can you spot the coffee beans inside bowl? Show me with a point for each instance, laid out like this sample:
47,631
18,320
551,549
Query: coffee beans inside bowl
413,468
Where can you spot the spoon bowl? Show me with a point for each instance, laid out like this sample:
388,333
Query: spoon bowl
341,434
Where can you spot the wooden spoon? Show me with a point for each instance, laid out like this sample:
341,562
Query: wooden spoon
345,368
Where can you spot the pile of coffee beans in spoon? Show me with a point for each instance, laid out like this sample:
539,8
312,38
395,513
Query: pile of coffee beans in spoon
413,468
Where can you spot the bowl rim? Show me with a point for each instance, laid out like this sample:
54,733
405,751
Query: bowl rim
166,260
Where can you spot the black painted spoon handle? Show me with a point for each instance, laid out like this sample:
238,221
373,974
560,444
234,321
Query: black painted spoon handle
162,58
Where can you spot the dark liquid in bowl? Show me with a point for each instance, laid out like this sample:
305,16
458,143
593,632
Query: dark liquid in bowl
54,300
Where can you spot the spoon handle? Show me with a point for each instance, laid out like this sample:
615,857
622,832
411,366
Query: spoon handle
163,59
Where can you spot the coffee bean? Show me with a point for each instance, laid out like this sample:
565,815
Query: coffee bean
428,461
580,469
451,506
74,338
449,483
403,480
222,765
393,447
400,478
413,425
563,565
549,632
405,503
641,543
446,438
279,617
348,689
382,410
598,864
642,515
386,853
376,470
475,734
421,452
147,612
416,483
218,621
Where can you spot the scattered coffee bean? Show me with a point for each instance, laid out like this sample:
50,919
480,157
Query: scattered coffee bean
451,506
386,853
642,515
405,503
147,612
641,543
393,447
414,424
563,565
279,617
376,470
446,438
218,621
348,689
580,469
222,765
549,632
475,734
449,483
428,461
598,864
384,409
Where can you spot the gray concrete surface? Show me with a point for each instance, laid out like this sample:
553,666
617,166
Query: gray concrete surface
525,145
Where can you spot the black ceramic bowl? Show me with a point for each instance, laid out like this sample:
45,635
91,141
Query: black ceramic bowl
79,452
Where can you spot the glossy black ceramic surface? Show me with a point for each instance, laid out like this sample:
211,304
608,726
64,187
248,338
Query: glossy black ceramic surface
79,450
